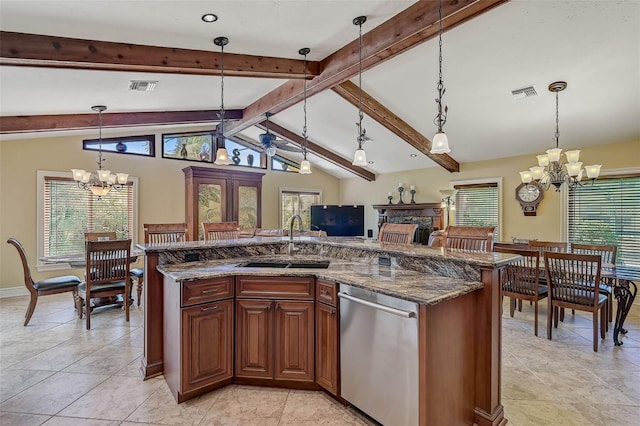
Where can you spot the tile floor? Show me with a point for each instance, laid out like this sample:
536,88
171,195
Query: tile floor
55,372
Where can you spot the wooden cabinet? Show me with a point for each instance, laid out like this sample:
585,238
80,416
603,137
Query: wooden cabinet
327,336
275,328
216,195
198,335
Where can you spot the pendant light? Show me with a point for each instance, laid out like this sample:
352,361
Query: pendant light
360,157
305,166
102,181
222,156
440,144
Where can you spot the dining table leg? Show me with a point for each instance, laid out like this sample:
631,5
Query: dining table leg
625,293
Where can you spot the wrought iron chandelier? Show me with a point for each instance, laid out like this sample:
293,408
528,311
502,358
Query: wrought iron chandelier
101,182
305,165
552,168
222,156
440,144
360,157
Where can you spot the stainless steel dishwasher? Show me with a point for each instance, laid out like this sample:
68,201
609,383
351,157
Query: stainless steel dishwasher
379,355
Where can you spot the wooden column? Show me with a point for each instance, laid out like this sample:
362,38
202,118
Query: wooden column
151,364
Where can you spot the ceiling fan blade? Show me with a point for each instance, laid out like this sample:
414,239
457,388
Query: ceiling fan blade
288,148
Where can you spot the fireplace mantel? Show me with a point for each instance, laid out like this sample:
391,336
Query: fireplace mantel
396,213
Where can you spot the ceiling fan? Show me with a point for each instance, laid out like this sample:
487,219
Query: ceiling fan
271,142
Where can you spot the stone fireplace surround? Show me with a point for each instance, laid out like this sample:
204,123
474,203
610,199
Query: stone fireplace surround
428,216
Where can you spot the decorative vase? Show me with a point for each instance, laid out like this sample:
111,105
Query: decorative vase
250,159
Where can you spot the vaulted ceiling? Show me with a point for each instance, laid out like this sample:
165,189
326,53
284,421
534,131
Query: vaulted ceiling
57,58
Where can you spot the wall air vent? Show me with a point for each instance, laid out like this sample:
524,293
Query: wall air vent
525,92
143,85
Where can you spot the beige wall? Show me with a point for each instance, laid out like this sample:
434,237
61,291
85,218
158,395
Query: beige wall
161,194
545,226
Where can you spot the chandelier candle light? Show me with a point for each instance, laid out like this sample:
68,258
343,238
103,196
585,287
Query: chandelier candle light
305,166
440,144
102,181
222,156
554,170
360,157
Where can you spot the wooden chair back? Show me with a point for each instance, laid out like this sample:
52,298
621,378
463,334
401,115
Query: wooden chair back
397,233
99,236
475,238
606,251
436,238
553,246
277,232
521,277
164,233
220,231
28,279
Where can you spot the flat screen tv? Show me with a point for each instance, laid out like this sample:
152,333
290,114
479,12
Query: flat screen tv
338,221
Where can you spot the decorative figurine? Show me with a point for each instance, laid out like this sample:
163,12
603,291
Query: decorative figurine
390,197
413,193
400,190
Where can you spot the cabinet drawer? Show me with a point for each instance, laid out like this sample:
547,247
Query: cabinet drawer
203,291
326,291
275,287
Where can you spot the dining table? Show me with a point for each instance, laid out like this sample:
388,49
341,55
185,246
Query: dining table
623,279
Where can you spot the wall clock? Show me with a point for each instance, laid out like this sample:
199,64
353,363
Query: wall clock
529,195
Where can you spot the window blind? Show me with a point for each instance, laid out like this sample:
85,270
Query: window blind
70,211
297,202
477,205
607,212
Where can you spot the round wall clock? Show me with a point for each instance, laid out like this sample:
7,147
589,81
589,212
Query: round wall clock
529,195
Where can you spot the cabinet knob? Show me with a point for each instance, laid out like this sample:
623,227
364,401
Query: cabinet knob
210,308
332,312
324,292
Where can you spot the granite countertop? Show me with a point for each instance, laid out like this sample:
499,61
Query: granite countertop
390,280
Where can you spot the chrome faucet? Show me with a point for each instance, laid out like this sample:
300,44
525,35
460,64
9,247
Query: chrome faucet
293,218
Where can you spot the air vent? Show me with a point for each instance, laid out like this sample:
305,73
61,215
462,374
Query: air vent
525,92
143,85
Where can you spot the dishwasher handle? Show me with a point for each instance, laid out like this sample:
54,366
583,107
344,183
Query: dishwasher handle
384,308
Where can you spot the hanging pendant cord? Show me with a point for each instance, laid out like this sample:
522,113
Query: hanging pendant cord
557,122
441,118
304,108
222,91
360,114
99,140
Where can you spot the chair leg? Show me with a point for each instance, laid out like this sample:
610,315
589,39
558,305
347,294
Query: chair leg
127,291
604,323
555,316
87,311
549,316
512,306
31,308
519,305
561,314
595,331
535,310
139,288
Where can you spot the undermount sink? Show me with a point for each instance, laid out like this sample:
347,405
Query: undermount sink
322,264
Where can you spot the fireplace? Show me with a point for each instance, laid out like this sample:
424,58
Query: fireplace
428,217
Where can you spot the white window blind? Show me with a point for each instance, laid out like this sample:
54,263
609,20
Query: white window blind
69,212
297,202
477,205
607,212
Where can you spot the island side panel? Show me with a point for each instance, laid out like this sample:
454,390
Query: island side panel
489,410
447,345
151,364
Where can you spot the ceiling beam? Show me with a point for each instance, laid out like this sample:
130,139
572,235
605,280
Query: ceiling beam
321,152
59,122
32,50
407,29
374,109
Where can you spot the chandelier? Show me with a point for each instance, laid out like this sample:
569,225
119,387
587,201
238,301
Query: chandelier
360,157
102,181
305,165
440,144
222,156
552,168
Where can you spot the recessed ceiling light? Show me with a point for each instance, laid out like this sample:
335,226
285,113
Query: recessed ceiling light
369,162
413,155
209,17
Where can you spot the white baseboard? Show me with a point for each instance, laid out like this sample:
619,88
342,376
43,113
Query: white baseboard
13,292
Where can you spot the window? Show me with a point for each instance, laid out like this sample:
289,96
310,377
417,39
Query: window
66,212
477,205
134,145
298,201
281,164
607,212
198,146
244,155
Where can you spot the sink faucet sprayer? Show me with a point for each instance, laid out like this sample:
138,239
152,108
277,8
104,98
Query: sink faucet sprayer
293,218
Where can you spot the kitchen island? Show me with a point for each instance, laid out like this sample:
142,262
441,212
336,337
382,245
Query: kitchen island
457,293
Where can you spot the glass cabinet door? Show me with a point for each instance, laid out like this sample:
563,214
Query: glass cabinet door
209,205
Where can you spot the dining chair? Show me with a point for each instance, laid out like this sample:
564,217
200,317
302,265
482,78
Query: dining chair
277,232
476,238
521,280
542,246
220,230
573,282
106,274
44,287
436,238
608,253
99,236
397,233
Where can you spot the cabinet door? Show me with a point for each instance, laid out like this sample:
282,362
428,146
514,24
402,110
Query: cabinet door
327,341
246,204
254,338
207,334
294,340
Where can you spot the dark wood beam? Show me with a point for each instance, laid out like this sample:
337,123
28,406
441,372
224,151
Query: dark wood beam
316,149
374,109
19,49
407,29
59,122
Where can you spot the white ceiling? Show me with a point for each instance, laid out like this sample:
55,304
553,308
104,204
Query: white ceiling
592,45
